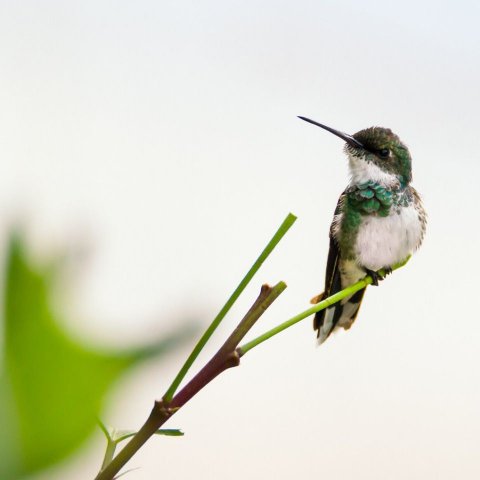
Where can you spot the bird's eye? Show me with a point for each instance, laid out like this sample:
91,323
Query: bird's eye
384,152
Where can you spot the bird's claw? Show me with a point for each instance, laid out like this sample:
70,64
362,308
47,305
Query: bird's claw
375,277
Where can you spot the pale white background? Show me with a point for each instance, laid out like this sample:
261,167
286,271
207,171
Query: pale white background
162,137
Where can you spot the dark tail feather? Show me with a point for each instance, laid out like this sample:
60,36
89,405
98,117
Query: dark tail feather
321,317
350,309
342,314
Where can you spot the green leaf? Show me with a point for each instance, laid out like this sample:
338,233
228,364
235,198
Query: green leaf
121,435
170,432
126,472
52,386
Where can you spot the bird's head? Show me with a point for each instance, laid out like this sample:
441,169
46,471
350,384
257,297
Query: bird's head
375,154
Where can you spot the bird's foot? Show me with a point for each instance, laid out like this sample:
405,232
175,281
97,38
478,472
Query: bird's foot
387,270
375,276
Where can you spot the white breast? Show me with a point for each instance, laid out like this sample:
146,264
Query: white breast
384,241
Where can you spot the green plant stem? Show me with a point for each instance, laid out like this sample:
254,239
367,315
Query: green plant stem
279,234
109,452
267,296
316,308
225,358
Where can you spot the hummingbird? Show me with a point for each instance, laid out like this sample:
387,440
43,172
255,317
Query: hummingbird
379,221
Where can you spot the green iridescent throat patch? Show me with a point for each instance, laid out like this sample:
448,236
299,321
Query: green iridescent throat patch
370,197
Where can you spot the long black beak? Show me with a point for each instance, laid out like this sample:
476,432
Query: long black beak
344,136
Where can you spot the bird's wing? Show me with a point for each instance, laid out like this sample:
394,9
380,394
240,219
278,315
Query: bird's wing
343,313
332,274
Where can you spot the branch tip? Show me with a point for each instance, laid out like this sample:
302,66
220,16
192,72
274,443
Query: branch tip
266,288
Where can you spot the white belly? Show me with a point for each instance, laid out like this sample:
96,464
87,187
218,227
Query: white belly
384,241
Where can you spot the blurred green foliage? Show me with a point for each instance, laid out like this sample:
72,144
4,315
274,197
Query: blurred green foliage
51,386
